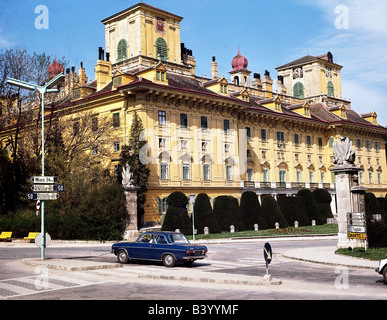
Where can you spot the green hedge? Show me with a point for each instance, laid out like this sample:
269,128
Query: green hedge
204,216
226,212
293,209
176,216
251,211
273,213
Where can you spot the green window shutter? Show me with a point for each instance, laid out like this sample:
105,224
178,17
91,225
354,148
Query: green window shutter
121,50
161,49
331,89
298,90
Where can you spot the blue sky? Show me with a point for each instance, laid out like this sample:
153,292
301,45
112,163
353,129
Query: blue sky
269,33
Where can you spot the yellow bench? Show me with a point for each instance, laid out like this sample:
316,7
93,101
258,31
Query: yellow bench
6,235
31,236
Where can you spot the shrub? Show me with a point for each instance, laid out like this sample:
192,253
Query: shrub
310,206
226,212
204,217
272,213
323,200
176,216
293,209
251,211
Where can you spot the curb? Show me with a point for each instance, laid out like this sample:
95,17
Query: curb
264,281
61,264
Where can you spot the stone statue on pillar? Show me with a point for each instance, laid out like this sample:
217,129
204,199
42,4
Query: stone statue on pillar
349,195
131,231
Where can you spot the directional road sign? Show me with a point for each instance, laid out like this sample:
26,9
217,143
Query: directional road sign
47,187
267,253
42,196
45,179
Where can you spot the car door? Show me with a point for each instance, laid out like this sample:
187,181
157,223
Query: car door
159,246
142,248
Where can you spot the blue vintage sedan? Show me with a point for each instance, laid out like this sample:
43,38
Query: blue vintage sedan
167,247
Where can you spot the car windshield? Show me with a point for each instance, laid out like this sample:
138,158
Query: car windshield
178,238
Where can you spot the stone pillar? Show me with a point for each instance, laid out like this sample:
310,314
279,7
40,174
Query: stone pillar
131,231
350,198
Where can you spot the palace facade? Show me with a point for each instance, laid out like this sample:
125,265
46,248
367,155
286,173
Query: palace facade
224,134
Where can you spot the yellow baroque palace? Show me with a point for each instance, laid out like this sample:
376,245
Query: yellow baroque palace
223,135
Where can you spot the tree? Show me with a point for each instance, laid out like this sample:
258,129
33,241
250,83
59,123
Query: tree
251,211
323,200
177,214
131,154
272,213
204,216
310,206
226,212
293,209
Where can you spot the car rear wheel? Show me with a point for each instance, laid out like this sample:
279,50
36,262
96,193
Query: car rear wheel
122,256
385,274
169,260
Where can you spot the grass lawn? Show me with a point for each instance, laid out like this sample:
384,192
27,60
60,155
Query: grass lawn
370,254
290,231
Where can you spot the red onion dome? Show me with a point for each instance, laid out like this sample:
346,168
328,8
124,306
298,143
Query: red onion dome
54,69
239,62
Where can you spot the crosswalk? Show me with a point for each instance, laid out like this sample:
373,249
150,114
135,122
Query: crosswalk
35,284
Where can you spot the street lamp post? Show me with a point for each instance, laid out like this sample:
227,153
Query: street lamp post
48,87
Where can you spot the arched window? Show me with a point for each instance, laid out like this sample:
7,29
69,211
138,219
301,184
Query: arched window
161,49
121,50
331,90
298,90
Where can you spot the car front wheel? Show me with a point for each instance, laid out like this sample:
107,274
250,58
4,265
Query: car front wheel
122,256
169,260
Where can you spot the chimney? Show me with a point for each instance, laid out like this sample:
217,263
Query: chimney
281,89
103,70
256,83
267,85
214,68
82,75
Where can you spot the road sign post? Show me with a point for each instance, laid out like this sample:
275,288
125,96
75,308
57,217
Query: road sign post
357,228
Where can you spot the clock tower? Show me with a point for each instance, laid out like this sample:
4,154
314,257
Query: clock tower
312,77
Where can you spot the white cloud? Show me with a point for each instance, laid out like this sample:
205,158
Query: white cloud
361,49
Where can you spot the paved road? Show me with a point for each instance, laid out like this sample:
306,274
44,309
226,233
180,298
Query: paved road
301,280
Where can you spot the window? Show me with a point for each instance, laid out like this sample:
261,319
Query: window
76,128
322,177
162,205
116,146
298,176
265,175
183,120
277,106
306,112
368,145
203,122
298,90
206,171
249,174
379,178
121,50
162,142
248,132
309,141
330,142
228,173
311,176
282,177
320,142
163,171
162,118
361,177
358,143
185,171
204,146
160,76
331,89
280,136
183,144
370,177
223,88
94,124
226,125
377,146
116,120
263,134
296,139
161,49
